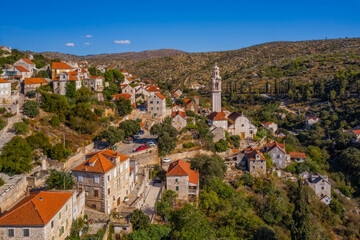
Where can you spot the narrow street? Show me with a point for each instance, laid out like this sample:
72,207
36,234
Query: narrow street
149,205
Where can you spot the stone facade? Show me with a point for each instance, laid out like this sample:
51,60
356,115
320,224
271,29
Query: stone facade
26,63
59,84
256,162
219,133
95,84
273,127
5,91
178,120
13,189
321,186
278,154
157,105
241,125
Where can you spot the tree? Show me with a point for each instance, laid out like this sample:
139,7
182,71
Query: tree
16,156
155,232
139,220
71,89
112,135
130,127
21,128
31,109
300,228
59,152
43,74
124,106
38,140
209,167
55,121
2,123
166,137
221,145
59,180
265,233
166,204
189,223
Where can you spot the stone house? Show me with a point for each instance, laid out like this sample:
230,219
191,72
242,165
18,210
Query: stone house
178,120
219,133
175,108
31,84
321,186
59,83
21,72
218,119
43,215
27,64
298,157
5,91
104,176
256,162
59,67
157,105
241,125
273,127
182,180
6,49
126,88
278,154
191,106
95,83
125,96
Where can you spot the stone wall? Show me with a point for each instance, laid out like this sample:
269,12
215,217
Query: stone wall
13,189
195,153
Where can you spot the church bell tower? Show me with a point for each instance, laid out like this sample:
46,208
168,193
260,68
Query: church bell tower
216,90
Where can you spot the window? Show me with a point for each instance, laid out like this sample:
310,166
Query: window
152,108
176,180
157,108
115,173
67,222
26,232
151,102
322,188
61,230
157,102
59,215
80,178
96,179
11,233
278,156
177,188
52,224
66,207
96,193
108,190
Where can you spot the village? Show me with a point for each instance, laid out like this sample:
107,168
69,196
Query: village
112,180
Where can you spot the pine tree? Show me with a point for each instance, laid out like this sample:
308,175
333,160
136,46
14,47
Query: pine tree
300,229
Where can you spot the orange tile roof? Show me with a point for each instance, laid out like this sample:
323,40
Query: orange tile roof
251,154
3,81
28,60
194,177
21,69
182,114
96,77
160,96
234,151
71,77
267,123
126,96
123,71
297,155
34,81
178,168
101,163
271,146
37,209
187,100
355,131
217,116
152,89
60,65
142,124
175,94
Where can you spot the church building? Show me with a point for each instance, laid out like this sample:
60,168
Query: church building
235,124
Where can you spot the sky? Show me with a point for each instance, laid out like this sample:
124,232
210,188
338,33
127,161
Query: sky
94,27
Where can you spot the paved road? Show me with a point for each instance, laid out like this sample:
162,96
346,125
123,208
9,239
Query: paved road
127,149
149,205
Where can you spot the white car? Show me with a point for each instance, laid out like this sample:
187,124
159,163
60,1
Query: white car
166,160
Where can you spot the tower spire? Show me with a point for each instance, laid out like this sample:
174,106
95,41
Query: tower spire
216,90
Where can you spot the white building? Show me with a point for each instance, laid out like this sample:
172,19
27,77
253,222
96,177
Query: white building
216,90
5,91
241,125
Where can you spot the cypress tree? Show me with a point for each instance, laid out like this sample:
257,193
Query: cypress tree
267,86
300,229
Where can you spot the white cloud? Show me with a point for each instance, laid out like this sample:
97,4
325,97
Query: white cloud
122,41
70,44
88,36
87,43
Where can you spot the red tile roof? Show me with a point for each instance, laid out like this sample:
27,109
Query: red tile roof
355,131
96,77
99,161
182,114
3,81
175,94
217,116
178,168
273,145
297,155
251,154
60,65
126,96
37,209
313,118
21,69
194,177
152,89
160,96
28,60
34,81
187,100
267,123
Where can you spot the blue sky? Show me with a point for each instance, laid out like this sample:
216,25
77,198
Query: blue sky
193,26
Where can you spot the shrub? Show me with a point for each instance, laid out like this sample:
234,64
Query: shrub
2,182
55,121
189,145
21,128
31,109
2,124
2,110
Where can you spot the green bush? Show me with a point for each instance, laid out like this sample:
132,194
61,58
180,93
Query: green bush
2,123
21,128
189,145
2,182
55,121
31,109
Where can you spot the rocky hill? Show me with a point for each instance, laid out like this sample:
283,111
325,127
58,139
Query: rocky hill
301,61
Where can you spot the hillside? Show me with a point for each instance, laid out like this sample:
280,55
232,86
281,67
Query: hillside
301,61
109,57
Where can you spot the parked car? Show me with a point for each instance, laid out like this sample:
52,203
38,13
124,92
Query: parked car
143,109
166,160
127,141
141,132
140,148
151,144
